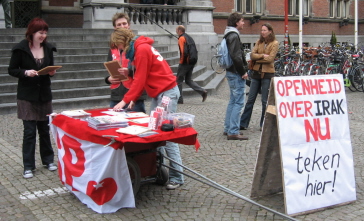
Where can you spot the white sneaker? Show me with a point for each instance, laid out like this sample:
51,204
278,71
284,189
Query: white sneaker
172,185
51,167
28,174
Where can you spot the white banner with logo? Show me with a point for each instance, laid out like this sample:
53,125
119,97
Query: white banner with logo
97,175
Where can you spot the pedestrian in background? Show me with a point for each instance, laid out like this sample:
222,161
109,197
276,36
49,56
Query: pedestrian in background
118,90
34,95
236,76
152,73
263,55
185,67
7,15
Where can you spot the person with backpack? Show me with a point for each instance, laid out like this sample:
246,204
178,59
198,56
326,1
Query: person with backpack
188,59
236,76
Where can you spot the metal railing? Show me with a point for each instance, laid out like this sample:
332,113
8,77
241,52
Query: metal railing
144,14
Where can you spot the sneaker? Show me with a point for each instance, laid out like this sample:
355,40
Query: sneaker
28,174
172,185
51,166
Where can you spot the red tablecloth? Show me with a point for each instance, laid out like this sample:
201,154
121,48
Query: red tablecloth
80,129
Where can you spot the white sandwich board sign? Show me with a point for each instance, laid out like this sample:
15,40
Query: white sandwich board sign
306,138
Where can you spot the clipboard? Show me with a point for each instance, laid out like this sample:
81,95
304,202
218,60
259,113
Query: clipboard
112,67
47,69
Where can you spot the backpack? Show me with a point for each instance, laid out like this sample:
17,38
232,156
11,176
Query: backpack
224,58
190,50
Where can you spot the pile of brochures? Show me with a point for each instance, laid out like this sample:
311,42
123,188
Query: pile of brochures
107,122
77,114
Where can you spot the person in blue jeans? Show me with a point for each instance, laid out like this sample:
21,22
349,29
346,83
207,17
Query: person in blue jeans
154,75
236,76
263,54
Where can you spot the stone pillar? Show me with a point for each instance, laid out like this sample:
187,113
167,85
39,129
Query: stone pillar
99,17
2,17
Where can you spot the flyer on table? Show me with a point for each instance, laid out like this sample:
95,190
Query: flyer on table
316,149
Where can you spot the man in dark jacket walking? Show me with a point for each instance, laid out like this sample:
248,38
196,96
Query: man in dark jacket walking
236,76
185,67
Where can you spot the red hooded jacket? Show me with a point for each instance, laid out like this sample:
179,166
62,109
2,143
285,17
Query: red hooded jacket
152,72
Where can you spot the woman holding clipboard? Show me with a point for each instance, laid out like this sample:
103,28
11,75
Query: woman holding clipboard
34,96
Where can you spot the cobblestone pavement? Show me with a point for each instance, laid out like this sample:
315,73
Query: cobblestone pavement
229,163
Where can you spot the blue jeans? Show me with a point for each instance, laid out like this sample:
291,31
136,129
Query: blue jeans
138,107
236,103
171,149
255,86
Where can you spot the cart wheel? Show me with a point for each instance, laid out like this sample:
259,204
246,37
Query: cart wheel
135,175
162,176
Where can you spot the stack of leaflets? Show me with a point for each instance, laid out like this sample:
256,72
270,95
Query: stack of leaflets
133,130
106,122
77,114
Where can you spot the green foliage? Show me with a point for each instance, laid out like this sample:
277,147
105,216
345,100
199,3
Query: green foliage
333,40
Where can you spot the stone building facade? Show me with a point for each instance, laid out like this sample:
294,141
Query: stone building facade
321,18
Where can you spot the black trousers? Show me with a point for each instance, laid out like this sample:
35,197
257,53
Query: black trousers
29,140
184,73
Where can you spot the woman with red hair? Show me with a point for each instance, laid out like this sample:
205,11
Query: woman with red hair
34,96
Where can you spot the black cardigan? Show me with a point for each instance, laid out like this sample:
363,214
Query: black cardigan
36,88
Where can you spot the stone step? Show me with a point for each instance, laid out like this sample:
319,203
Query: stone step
204,78
71,88
211,87
65,104
92,96
6,53
61,84
81,79
57,38
64,93
74,74
80,82
61,31
197,70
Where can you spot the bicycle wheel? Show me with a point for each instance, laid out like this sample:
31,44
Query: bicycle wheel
279,67
313,70
135,174
304,70
356,78
321,70
289,69
216,66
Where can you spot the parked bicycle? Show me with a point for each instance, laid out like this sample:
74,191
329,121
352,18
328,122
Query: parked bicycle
356,73
215,59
